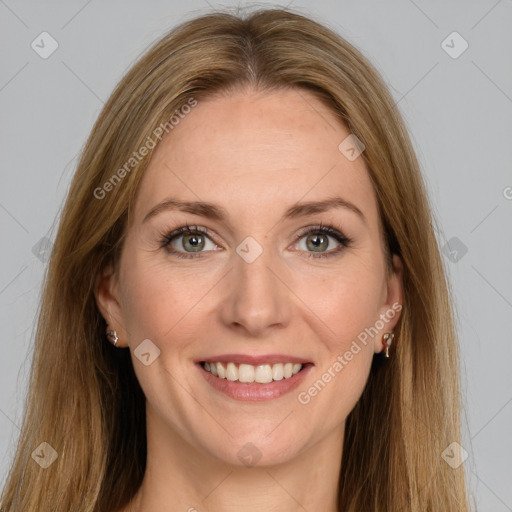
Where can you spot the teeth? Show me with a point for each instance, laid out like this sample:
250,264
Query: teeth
262,374
221,373
246,373
231,372
278,371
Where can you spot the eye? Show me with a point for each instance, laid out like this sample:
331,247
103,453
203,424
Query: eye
187,242
318,240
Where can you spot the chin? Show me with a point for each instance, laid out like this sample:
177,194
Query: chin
258,450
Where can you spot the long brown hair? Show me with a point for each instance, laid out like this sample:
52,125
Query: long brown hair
84,399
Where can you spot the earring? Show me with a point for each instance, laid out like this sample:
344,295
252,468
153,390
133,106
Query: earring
112,335
387,338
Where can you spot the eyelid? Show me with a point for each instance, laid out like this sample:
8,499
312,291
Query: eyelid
327,229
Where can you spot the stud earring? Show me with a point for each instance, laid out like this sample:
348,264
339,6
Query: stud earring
113,338
387,339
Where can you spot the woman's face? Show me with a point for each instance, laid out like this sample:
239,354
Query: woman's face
259,286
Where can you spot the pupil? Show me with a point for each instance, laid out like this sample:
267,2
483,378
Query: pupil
195,242
318,241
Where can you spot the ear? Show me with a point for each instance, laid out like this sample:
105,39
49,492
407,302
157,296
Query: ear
391,309
107,299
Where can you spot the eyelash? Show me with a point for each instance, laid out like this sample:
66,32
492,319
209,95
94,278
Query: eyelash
344,241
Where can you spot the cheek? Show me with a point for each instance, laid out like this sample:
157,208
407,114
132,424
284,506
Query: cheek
346,306
349,309
159,304
347,301
155,298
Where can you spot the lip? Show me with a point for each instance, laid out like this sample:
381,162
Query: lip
253,360
255,392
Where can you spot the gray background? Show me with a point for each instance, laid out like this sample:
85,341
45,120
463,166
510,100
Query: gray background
458,110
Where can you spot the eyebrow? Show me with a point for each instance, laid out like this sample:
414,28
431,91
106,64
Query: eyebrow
216,212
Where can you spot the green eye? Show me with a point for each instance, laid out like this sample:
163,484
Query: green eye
319,239
193,240
317,242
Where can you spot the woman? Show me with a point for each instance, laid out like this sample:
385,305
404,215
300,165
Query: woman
249,220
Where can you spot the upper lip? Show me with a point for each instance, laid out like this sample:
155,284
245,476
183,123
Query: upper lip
253,360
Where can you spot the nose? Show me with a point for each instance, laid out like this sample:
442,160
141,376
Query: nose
256,298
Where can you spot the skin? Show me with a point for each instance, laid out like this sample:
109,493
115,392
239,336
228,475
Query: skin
255,154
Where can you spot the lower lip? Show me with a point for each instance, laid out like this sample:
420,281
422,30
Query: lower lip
255,392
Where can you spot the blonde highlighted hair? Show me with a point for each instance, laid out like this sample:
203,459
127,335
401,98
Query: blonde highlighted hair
84,399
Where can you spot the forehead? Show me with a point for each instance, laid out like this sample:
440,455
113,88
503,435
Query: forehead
255,152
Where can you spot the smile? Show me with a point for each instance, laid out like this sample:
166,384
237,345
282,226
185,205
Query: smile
248,373
254,378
